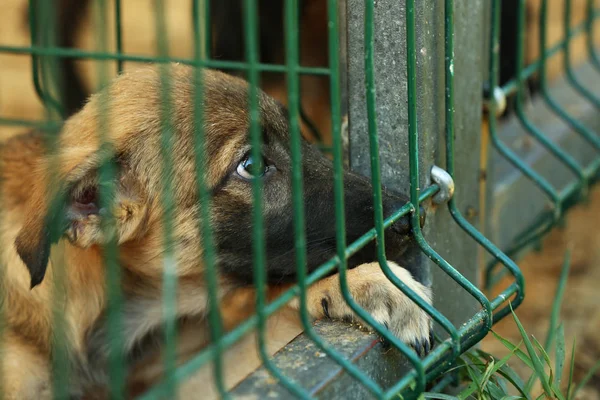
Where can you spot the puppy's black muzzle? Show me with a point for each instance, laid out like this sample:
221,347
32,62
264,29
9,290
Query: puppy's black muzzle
234,231
403,226
360,218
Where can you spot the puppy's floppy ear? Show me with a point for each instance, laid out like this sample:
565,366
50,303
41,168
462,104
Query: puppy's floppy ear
43,226
76,152
33,246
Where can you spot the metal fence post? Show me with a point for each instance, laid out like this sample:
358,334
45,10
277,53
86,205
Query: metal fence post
390,60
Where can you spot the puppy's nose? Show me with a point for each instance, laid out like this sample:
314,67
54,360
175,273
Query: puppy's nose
403,225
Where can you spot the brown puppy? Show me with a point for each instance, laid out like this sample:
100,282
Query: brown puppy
32,265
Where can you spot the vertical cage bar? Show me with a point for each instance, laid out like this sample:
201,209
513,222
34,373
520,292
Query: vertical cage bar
252,59
169,283
118,35
591,97
207,29
376,179
414,182
519,106
450,167
582,130
413,133
292,56
394,139
453,209
560,154
201,23
107,173
574,190
413,151
258,239
211,275
2,280
60,373
333,30
37,62
251,29
503,149
374,155
293,87
590,24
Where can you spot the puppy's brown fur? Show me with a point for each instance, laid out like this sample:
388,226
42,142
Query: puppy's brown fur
52,254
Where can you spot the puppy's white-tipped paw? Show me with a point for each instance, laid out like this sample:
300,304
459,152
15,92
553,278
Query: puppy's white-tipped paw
404,318
414,328
387,304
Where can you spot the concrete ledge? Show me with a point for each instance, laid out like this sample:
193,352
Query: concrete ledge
304,362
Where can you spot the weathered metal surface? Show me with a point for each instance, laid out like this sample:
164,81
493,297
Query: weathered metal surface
390,59
441,231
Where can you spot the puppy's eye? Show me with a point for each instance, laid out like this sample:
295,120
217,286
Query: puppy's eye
248,168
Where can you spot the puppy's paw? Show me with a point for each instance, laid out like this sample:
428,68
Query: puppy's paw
387,304
411,324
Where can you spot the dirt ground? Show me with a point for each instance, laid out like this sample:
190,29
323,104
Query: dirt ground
580,311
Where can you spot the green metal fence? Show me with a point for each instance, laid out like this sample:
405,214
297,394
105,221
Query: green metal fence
452,340
559,200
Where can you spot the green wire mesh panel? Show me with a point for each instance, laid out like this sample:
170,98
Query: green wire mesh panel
559,199
454,339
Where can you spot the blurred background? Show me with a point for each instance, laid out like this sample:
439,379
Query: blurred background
580,232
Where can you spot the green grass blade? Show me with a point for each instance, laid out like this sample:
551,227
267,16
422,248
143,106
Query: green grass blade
530,381
501,368
500,381
518,352
496,366
495,391
560,354
439,396
483,375
535,360
487,374
542,352
558,297
551,382
586,378
571,371
475,378
512,398
511,376
499,364
475,370
468,391
553,385
555,313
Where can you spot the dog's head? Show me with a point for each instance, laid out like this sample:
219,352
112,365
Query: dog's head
134,125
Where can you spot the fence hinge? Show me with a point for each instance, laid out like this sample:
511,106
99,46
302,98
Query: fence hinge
445,183
497,97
